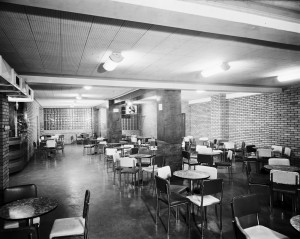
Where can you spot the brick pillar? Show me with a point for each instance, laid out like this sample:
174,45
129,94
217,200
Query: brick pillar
169,126
219,117
4,146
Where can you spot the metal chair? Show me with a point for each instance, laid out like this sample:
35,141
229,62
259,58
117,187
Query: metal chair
211,194
286,183
256,179
88,146
245,218
171,199
186,159
128,166
73,226
226,163
250,156
165,172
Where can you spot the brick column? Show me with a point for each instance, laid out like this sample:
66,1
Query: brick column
4,146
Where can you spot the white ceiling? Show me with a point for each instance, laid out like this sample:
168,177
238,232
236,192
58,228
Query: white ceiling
59,46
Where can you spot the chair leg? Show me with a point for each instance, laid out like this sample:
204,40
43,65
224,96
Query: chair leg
202,220
169,214
157,210
220,217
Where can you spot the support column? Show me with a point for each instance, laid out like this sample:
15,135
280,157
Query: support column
219,117
114,125
4,146
169,126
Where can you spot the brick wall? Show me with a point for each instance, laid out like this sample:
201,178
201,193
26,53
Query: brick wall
263,120
4,147
33,119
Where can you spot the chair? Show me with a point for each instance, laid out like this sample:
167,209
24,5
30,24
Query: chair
157,162
128,166
16,193
279,161
227,163
211,194
287,153
277,150
240,152
73,226
145,162
205,159
60,145
108,157
284,182
116,164
250,156
263,156
165,172
246,219
173,200
256,179
212,171
88,146
101,147
186,159
51,147
25,232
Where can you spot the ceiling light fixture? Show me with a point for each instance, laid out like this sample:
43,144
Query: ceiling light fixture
87,87
289,77
111,63
215,69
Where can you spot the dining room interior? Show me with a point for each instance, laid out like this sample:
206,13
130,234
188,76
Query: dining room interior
134,119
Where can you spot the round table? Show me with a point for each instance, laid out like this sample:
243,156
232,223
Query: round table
295,222
28,209
191,175
282,168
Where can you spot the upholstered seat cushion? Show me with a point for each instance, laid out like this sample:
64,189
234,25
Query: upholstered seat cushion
177,188
129,170
67,226
150,169
207,200
89,146
261,232
175,199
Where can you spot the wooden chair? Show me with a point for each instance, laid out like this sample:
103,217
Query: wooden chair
211,194
73,226
171,199
245,218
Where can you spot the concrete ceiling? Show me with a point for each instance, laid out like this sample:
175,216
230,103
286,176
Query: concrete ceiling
60,46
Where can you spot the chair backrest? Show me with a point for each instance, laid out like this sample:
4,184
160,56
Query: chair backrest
186,154
250,148
277,149
284,177
110,151
127,162
287,151
19,192
229,155
162,185
116,157
51,143
212,186
159,161
205,159
164,172
133,139
212,171
245,205
134,150
229,145
279,161
264,153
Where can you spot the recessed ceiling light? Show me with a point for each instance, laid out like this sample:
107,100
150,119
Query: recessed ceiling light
215,69
289,76
87,87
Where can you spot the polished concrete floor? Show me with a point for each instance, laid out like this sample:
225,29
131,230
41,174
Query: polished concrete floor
129,212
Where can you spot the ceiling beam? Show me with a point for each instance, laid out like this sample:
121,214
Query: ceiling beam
142,84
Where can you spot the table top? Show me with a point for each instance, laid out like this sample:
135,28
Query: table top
282,168
27,208
140,156
295,222
191,174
